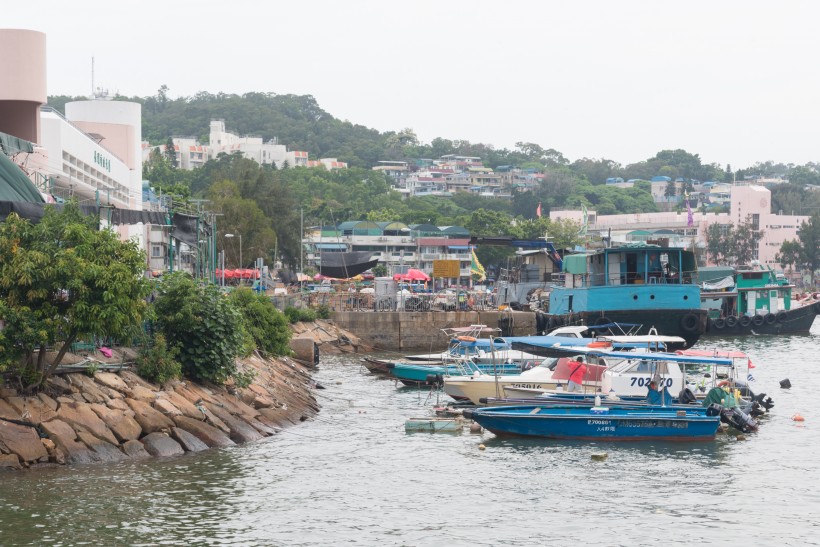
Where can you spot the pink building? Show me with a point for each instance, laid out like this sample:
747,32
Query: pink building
748,202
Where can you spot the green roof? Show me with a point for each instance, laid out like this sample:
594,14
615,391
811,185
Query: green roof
15,185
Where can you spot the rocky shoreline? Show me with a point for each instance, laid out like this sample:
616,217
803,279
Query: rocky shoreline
88,416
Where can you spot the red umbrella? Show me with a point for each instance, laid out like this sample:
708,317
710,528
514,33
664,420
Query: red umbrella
416,275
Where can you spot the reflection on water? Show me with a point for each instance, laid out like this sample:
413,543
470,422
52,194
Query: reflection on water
353,475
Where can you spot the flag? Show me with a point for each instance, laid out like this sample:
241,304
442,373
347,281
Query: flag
538,210
476,267
690,219
750,378
585,222
750,364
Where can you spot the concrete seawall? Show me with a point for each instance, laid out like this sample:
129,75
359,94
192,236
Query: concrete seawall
422,330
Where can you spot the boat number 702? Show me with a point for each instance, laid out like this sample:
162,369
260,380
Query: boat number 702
642,381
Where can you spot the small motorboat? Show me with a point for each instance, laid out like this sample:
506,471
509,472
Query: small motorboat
653,422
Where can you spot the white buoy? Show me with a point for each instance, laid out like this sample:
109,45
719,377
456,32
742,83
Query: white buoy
475,428
481,447
599,456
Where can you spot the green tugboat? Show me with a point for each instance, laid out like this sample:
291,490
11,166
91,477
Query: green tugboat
746,301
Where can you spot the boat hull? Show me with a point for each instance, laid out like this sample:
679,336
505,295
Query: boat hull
615,424
794,321
690,324
418,373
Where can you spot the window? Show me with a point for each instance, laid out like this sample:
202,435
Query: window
156,251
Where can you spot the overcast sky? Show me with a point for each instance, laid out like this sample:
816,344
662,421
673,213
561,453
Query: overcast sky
734,81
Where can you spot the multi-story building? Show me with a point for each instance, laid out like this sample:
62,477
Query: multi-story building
750,203
397,245
191,154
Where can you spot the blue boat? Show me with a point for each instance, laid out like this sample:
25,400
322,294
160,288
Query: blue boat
641,283
412,374
600,423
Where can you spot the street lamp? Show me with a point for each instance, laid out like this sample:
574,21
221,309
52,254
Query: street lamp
240,246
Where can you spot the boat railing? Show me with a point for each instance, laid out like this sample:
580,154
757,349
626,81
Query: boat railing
633,278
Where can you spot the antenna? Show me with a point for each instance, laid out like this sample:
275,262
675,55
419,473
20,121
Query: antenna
92,77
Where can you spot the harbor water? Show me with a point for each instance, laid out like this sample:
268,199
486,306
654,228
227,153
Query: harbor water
353,476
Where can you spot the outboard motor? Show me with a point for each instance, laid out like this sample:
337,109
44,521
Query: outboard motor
739,420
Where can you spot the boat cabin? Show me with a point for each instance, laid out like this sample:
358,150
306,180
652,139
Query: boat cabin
629,265
728,292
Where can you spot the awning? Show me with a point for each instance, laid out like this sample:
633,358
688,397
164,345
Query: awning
331,246
459,247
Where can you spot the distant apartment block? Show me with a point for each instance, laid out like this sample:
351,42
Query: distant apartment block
451,174
191,154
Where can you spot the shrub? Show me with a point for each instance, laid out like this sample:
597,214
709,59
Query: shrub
323,312
296,315
203,323
267,326
157,362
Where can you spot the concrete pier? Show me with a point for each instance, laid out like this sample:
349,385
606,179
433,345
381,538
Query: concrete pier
422,330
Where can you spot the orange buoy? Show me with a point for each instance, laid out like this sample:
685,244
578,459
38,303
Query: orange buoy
466,338
798,418
599,344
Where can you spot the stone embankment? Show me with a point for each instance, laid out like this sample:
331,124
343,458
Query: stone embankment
116,415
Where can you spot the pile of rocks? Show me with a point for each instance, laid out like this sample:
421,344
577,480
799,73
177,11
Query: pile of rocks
112,416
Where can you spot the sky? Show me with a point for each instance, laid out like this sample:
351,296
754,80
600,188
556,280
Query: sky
733,81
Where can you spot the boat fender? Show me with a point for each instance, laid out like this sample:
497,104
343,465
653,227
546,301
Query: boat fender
599,344
719,323
781,316
686,397
745,320
466,338
757,320
770,319
603,320
724,383
689,322
731,321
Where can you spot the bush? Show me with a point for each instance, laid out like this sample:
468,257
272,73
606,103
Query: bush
295,315
203,323
323,312
157,362
267,326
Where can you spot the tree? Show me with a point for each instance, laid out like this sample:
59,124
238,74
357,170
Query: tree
804,253
171,153
205,326
267,325
63,280
717,243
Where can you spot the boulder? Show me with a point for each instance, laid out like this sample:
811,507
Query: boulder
237,407
132,380
9,461
81,417
32,409
8,392
86,386
149,418
277,416
103,451
122,424
189,442
240,430
184,405
214,420
161,445
141,393
134,449
118,404
111,380
8,412
166,407
21,440
206,433
59,385
48,401
65,438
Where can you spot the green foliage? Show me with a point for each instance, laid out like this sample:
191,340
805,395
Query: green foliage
157,361
61,280
804,253
295,315
203,323
267,326
379,270
732,245
323,312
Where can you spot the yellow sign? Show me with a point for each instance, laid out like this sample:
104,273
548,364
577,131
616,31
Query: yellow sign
446,268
